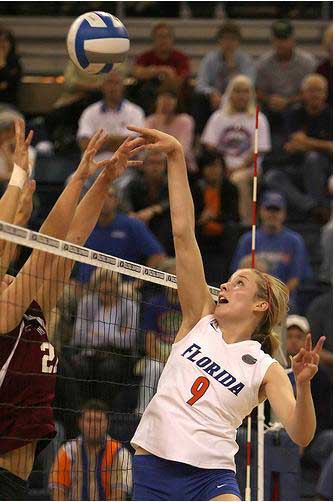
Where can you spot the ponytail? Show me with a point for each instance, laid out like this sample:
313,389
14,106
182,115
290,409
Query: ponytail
276,293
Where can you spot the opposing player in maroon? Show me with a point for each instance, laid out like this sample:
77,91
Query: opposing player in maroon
28,362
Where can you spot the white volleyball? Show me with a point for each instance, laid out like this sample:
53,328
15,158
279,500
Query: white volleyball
96,40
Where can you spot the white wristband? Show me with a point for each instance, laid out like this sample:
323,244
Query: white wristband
18,177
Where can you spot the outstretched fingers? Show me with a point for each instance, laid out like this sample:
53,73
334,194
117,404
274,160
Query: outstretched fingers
319,345
308,342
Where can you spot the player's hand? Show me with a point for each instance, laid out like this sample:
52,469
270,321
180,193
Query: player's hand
88,166
305,363
21,152
121,159
156,140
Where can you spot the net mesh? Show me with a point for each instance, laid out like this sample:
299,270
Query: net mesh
103,345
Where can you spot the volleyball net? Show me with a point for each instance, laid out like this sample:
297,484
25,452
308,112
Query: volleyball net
112,334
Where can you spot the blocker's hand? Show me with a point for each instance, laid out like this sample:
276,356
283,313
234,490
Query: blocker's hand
305,363
21,153
156,140
120,160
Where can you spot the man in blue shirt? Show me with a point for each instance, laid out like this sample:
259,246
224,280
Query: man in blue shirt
282,249
119,235
217,68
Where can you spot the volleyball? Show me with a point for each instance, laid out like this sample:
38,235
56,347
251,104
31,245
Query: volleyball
97,40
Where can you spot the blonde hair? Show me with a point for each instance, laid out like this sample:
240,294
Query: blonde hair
227,106
276,293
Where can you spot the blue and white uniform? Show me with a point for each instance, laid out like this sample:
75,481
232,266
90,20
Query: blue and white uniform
206,390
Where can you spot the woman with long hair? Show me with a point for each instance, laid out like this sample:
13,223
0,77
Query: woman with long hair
219,369
230,131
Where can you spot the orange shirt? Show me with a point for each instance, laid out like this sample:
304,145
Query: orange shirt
212,203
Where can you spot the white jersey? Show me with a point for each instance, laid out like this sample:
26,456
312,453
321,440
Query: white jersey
205,391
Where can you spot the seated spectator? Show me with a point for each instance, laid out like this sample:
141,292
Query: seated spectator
105,336
167,118
93,466
148,200
297,329
119,235
216,208
230,131
162,63
160,323
10,68
279,75
321,386
283,249
325,68
113,113
216,70
7,145
308,164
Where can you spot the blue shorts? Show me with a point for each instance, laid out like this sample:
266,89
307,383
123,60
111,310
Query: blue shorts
158,479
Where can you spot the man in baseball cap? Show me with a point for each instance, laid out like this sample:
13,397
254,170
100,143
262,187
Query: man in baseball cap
297,328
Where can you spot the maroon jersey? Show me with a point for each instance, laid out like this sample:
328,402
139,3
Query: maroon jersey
28,366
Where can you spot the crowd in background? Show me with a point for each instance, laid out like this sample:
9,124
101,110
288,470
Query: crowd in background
114,335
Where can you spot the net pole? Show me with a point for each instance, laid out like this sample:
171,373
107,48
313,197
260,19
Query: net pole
260,418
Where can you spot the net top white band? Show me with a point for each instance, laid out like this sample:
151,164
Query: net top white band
35,240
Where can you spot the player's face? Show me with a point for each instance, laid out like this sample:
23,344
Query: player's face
93,425
6,281
238,296
295,340
240,96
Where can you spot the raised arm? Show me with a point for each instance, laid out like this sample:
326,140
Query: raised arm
84,220
195,298
297,416
9,202
16,298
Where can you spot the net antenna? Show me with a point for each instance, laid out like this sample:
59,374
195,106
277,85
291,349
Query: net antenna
260,409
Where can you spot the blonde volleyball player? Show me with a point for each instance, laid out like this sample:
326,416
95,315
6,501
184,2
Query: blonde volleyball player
219,369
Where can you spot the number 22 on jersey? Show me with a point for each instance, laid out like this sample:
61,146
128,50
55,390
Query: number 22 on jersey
48,366
198,389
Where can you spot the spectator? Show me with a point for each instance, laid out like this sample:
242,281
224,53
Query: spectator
119,235
321,447
230,130
325,68
162,63
167,118
147,196
280,73
217,68
93,466
297,329
160,323
105,331
308,167
216,206
283,249
10,68
113,113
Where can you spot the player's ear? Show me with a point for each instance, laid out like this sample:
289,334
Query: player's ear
261,305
